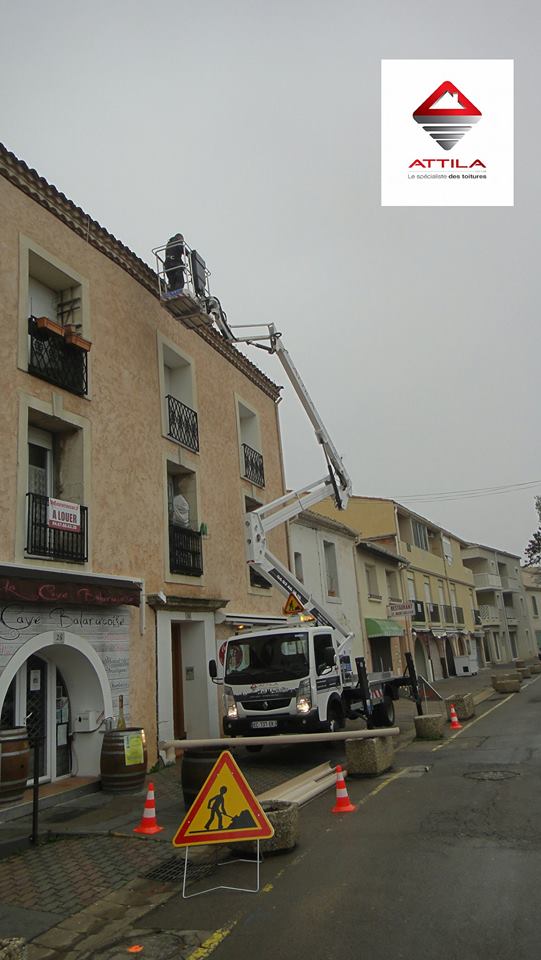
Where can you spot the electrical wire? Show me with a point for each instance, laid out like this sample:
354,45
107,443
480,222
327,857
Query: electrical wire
471,493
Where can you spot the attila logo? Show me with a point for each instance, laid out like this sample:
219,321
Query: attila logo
448,115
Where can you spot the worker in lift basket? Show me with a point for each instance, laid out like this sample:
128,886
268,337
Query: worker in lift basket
174,262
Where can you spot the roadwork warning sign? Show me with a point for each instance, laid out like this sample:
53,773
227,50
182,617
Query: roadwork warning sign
292,605
225,809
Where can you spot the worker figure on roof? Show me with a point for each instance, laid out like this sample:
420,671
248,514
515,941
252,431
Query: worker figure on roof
174,262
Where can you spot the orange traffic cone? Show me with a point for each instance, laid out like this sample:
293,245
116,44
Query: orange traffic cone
343,803
455,725
149,823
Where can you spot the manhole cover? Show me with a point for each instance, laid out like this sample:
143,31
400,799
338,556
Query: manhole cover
492,774
172,871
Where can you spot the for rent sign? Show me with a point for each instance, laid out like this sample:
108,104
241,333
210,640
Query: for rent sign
62,515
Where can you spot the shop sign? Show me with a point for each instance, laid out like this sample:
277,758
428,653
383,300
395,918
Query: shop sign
404,608
45,591
63,515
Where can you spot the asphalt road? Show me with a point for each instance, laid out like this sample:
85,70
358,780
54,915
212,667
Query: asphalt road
441,863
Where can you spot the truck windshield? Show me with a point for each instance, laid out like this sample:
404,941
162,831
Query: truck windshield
282,656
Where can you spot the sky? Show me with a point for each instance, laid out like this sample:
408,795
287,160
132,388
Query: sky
253,128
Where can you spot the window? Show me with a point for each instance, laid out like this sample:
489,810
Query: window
535,609
497,651
411,588
331,570
428,594
372,581
181,421
185,539
393,589
447,549
256,578
251,458
56,322
321,643
297,566
420,535
441,593
55,472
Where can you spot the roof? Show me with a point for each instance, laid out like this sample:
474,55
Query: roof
381,551
481,546
308,518
411,513
21,176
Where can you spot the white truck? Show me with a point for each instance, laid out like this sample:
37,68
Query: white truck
298,676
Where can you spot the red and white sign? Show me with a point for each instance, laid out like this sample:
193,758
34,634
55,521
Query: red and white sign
62,515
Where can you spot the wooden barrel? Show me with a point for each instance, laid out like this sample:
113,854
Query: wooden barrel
15,758
122,770
196,766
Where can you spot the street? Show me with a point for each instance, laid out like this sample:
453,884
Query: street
443,863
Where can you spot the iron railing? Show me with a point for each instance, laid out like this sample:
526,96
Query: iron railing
477,617
419,612
434,612
183,425
44,541
253,466
447,613
56,361
459,614
185,551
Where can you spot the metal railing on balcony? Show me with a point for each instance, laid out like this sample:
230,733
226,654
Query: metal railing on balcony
183,425
434,613
509,583
419,615
45,541
447,613
477,617
458,614
185,551
489,614
55,360
253,465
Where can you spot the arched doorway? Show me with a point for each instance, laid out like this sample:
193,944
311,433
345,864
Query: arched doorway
420,658
51,684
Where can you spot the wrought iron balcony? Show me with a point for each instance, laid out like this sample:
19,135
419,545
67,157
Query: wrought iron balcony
434,612
447,613
183,425
419,615
253,466
477,617
54,359
45,541
459,614
185,551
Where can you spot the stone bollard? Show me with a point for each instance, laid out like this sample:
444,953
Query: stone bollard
464,706
370,757
429,727
13,948
519,663
535,667
524,672
284,817
506,685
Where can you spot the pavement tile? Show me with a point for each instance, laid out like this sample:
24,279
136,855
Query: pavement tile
58,938
34,952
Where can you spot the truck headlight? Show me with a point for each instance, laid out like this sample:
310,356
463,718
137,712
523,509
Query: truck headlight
304,697
229,704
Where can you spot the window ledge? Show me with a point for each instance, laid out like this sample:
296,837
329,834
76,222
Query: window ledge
375,596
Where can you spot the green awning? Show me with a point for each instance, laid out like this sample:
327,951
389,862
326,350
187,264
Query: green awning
383,628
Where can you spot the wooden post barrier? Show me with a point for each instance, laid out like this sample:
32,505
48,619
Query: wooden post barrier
276,739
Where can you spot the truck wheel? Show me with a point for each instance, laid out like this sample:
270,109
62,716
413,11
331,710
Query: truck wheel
335,718
383,713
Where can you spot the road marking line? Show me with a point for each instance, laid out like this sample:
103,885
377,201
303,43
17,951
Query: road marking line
469,725
267,888
209,945
382,785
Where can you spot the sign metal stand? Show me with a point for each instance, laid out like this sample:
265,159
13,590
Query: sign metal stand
224,863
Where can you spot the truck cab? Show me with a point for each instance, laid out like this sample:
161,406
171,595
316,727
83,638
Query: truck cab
284,680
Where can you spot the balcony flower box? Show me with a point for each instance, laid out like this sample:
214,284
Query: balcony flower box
75,340
51,326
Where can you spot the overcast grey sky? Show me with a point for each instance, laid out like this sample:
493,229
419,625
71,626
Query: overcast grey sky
253,127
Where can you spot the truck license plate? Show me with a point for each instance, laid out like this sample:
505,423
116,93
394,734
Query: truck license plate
263,724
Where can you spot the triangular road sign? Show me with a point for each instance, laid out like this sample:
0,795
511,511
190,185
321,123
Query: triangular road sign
225,810
292,605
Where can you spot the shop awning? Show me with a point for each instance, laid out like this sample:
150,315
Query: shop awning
383,628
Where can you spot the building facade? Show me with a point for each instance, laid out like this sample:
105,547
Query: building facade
380,585
323,555
131,449
507,628
531,580
443,633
